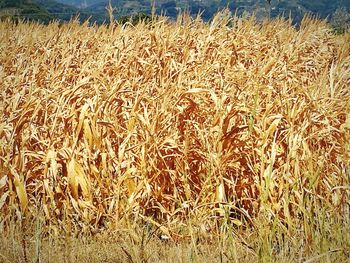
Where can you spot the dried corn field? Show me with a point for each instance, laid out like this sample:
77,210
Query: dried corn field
173,122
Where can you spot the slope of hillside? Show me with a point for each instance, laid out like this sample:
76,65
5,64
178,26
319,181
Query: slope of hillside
37,10
58,10
25,9
82,3
297,8
96,9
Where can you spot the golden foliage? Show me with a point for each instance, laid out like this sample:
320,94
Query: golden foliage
157,121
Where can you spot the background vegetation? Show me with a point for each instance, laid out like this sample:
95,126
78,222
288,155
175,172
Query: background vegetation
95,10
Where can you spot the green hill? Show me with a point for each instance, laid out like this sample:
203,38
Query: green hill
261,8
96,11
24,9
60,11
37,10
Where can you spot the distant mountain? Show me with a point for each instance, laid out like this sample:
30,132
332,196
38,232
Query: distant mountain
261,8
24,9
81,3
96,11
38,10
60,11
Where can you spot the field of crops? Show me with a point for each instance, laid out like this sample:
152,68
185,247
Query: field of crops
231,131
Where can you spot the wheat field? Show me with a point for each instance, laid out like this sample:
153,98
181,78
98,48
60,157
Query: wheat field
195,130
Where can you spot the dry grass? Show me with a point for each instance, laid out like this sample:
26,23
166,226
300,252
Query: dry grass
236,136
